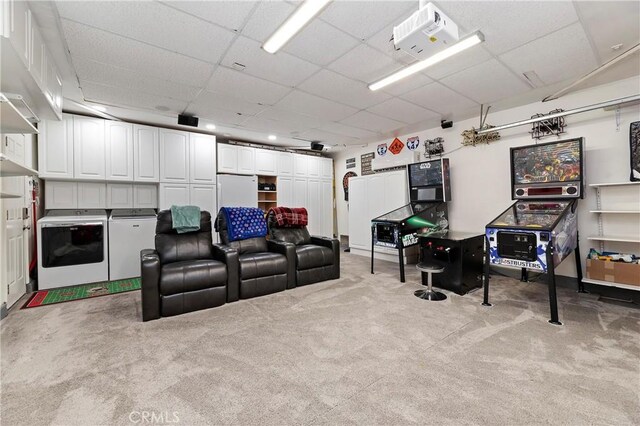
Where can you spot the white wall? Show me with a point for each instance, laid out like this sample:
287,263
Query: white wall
480,182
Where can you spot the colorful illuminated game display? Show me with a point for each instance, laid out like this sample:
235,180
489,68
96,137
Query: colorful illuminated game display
429,190
540,229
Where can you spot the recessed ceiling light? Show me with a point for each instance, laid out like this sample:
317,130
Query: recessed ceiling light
272,137
294,23
472,40
99,108
211,126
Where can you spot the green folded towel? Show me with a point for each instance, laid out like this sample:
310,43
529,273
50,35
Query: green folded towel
185,218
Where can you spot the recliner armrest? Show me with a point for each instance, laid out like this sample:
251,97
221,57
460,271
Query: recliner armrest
150,277
229,256
289,250
334,245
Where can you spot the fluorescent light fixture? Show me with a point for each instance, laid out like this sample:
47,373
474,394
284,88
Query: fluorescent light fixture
211,126
294,23
272,137
472,40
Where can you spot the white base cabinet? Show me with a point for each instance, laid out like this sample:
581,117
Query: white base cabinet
92,195
145,196
60,195
119,196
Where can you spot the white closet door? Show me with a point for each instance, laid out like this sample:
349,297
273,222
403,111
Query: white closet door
92,195
313,166
326,168
119,196
146,154
202,164
300,165
173,194
299,193
145,196
204,196
119,146
174,156
326,208
285,191
359,226
313,206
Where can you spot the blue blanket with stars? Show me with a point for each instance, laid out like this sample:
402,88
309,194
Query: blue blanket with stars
244,222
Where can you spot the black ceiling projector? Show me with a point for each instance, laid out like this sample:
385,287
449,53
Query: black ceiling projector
316,146
188,120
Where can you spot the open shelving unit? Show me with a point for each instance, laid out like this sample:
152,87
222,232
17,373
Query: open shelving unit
11,168
12,120
626,228
267,198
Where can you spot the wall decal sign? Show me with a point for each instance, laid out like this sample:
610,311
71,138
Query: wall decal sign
351,163
365,163
396,146
413,143
382,149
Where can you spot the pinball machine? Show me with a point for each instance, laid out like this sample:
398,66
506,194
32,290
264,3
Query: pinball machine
540,229
429,191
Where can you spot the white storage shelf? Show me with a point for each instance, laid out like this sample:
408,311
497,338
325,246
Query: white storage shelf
12,120
11,168
614,239
9,195
616,211
602,185
611,284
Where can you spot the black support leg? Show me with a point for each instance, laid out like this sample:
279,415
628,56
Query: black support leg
551,282
372,247
524,275
576,253
401,258
487,262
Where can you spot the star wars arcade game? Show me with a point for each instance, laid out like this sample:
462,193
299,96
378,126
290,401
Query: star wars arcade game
429,190
540,229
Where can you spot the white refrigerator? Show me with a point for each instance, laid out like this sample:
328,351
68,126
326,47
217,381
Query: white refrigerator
237,191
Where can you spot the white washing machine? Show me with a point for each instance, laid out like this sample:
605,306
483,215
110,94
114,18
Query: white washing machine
72,248
130,231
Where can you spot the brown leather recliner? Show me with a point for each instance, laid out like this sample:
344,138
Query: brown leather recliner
185,272
316,258
264,267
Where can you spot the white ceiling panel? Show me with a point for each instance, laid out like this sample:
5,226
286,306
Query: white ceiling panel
266,18
296,121
102,46
118,96
206,111
408,84
280,68
105,74
509,24
229,103
487,82
246,87
605,32
307,104
262,124
331,85
229,14
320,43
403,111
156,25
558,56
366,64
439,98
327,138
362,19
344,130
463,60
368,121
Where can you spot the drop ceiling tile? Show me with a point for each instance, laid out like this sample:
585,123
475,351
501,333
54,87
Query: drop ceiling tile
487,82
105,74
362,19
296,121
404,111
118,96
373,122
281,68
228,103
620,26
556,57
366,64
439,98
320,43
217,116
314,106
331,85
408,84
463,60
267,125
229,14
327,138
266,18
509,24
246,87
152,23
349,131
102,46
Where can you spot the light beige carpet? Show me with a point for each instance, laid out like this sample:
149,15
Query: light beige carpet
359,350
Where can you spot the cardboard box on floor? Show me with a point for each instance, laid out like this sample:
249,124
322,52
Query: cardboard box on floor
619,272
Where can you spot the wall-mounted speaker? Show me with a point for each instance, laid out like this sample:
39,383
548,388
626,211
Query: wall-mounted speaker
316,146
188,120
446,124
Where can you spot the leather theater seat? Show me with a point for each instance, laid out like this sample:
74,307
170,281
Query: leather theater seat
316,258
185,272
264,267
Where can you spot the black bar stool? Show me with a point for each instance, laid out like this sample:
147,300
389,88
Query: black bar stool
429,294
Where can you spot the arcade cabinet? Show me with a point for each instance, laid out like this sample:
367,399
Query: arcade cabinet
429,190
541,228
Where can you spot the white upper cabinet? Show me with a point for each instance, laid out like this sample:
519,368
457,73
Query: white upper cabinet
313,166
202,167
92,195
145,196
146,154
119,196
266,162
285,191
19,30
326,168
52,83
60,195
88,148
227,158
300,165
55,148
173,194
246,160
174,156
37,61
285,163
119,141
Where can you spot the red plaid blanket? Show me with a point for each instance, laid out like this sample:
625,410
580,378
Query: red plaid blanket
290,217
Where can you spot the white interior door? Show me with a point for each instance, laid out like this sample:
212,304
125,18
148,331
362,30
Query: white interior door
15,265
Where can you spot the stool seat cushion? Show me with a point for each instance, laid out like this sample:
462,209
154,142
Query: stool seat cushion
428,267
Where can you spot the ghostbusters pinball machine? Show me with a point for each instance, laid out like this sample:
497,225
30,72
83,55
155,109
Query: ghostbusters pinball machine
540,229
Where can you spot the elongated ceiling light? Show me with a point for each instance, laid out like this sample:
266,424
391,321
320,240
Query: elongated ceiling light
294,23
472,40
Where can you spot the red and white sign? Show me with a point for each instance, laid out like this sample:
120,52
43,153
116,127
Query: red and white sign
396,146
